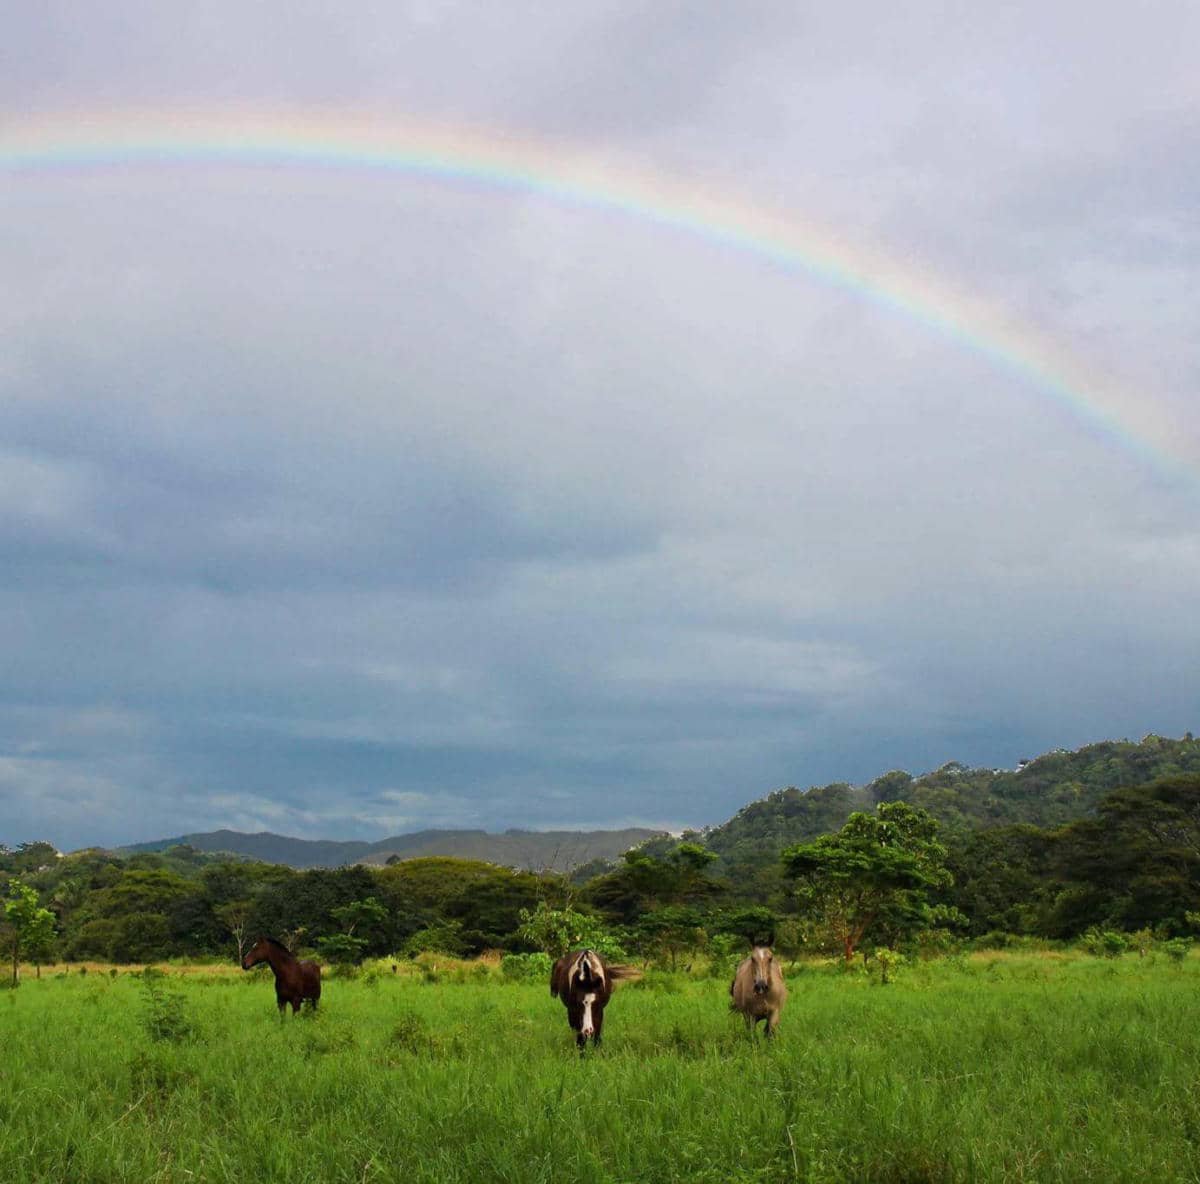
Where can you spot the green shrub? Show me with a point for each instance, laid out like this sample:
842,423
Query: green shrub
1105,943
995,939
885,963
1177,949
445,938
526,968
165,1015
374,970
725,951
342,949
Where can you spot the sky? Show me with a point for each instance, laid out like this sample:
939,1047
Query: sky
344,502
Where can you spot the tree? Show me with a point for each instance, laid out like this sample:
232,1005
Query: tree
362,915
754,924
875,874
895,786
39,940
235,916
1136,864
366,916
29,858
1002,878
557,931
442,938
28,928
645,882
668,932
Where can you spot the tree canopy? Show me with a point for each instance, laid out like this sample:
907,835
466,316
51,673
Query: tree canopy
873,878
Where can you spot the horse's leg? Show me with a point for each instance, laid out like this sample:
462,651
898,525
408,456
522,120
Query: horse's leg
598,1021
575,1019
282,1004
296,1001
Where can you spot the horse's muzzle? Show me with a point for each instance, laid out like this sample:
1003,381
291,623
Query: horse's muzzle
761,988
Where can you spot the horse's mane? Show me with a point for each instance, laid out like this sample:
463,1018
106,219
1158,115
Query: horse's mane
271,941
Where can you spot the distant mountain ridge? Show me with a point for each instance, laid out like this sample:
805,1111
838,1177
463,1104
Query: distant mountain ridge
1050,790
528,850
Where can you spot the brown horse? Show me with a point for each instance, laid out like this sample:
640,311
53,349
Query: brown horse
584,982
758,990
295,981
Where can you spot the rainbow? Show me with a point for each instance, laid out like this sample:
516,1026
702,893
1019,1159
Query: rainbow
71,144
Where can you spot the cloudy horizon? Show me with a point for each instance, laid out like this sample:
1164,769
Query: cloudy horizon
342,504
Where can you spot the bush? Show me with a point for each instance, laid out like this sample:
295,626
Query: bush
937,942
341,949
165,1011
996,939
725,951
1177,949
1105,943
445,938
375,969
526,968
886,963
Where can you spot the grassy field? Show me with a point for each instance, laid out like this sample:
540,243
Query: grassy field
1021,1067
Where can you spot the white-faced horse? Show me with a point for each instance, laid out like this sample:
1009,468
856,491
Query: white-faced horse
584,982
758,990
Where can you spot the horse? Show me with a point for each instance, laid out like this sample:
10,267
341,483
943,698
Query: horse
295,981
758,990
584,982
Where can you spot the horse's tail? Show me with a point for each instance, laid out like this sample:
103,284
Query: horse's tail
620,971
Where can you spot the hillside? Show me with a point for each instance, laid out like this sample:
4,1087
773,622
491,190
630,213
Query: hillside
1054,789
560,850
1103,836
1051,790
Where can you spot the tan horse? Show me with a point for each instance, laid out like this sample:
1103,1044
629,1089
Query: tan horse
758,990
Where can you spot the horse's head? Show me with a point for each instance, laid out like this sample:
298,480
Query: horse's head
762,961
257,953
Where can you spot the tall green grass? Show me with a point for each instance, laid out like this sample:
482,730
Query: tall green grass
1008,1068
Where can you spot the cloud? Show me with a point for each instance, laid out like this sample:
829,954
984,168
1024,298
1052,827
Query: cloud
335,503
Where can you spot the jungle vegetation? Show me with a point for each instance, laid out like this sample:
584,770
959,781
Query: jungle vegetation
1105,839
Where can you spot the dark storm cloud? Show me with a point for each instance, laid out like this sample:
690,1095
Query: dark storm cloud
338,505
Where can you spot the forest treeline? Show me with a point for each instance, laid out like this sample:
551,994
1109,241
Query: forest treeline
1106,838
